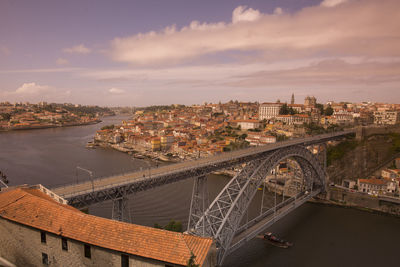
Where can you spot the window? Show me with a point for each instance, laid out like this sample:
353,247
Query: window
45,259
64,243
124,260
88,253
43,237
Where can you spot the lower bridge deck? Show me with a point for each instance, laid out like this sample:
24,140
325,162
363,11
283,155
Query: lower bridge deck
260,223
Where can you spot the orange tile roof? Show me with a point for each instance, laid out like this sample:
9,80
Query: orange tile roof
33,208
373,181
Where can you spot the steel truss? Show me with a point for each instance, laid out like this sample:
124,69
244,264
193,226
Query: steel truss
222,218
120,210
84,199
199,202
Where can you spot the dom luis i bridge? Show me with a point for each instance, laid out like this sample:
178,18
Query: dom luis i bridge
257,168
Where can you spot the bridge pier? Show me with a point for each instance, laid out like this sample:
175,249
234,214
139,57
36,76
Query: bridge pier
120,209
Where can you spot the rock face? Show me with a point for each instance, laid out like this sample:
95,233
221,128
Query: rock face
372,152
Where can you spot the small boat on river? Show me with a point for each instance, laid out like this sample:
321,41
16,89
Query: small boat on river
277,241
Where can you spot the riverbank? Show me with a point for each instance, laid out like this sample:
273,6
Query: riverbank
360,201
37,127
328,203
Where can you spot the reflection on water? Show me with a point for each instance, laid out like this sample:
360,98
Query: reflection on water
322,236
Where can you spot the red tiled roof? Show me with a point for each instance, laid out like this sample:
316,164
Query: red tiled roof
33,208
373,181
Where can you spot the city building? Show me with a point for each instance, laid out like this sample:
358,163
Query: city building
386,117
39,229
247,124
310,101
269,110
374,186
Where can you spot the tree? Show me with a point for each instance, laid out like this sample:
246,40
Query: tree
284,110
191,261
108,127
320,107
328,111
5,116
175,226
156,225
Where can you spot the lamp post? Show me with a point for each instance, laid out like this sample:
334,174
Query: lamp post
90,173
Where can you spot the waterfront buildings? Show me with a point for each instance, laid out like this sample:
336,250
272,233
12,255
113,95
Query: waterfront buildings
37,228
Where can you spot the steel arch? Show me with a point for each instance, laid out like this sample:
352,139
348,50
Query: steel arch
222,218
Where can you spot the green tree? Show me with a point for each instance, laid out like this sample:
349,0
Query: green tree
175,226
156,225
320,107
284,109
108,127
5,116
328,111
191,262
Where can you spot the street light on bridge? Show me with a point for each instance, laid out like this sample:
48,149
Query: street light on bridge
90,173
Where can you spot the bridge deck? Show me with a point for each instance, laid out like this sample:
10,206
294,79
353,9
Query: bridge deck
88,187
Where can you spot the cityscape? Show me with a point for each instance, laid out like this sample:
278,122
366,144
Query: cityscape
183,133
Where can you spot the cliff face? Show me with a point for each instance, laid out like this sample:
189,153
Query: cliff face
364,158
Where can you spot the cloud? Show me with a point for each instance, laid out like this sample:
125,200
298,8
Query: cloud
328,73
77,49
53,70
242,13
116,91
332,3
32,88
366,28
62,61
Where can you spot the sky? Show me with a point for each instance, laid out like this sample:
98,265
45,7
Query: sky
156,52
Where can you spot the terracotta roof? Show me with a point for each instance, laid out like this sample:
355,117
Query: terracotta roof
33,208
373,181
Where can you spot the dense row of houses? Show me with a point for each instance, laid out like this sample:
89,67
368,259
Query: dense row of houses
25,116
201,130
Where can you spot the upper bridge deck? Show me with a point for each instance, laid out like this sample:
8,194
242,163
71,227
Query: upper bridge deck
145,179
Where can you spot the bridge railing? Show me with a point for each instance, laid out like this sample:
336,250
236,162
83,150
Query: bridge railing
195,163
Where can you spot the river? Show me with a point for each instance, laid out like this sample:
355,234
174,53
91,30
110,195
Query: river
322,236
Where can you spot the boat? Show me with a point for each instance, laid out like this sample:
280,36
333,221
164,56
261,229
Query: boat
277,241
91,144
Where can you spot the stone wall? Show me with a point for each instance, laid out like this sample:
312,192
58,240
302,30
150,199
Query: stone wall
22,246
373,152
342,197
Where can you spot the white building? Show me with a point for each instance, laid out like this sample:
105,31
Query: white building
386,117
247,124
374,186
269,110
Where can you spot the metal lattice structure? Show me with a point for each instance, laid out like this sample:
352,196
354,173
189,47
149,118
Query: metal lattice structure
223,217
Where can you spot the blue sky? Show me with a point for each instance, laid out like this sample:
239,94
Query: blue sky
136,53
